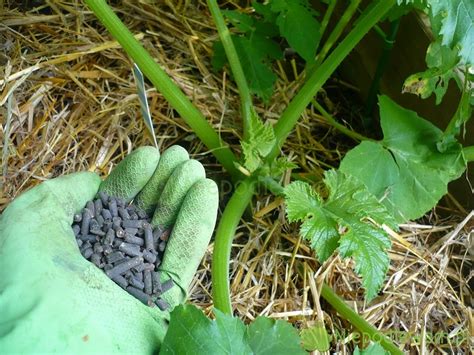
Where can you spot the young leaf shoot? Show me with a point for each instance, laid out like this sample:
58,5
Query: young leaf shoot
350,220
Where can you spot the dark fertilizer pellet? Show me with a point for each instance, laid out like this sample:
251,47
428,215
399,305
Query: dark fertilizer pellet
123,213
135,282
113,207
76,229
138,275
119,239
91,208
147,281
130,238
107,249
149,256
142,296
130,249
88,253
162,304
121,281
98,207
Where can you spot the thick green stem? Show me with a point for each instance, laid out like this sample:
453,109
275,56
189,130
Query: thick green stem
235,66
343,129
298,104
172,93
271,185
336,33
357,321
469,153
223,243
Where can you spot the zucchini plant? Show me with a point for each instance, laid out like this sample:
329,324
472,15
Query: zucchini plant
409,168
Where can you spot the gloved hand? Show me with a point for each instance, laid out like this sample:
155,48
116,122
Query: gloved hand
54,300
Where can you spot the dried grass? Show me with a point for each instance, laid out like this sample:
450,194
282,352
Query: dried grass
74,107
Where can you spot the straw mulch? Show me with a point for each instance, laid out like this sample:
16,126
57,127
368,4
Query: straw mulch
74,107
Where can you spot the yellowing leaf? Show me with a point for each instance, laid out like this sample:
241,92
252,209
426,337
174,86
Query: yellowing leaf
441,61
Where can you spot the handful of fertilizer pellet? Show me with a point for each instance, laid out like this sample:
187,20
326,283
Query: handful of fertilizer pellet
119,239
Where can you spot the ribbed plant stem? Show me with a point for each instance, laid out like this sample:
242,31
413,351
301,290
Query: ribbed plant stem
235,66
223,243
357,321
337,31
317,79
327,17
163,83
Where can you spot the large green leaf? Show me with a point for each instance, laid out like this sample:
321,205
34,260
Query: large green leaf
349,219
241,21
254,53
257,41
255,48
454,20
191,332
269,337
405,170
299,26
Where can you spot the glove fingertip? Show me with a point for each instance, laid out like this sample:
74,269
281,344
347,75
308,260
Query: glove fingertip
171,158
132,174
192,232
176,189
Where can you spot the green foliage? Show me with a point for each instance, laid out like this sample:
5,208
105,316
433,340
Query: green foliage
442,62
267,336
257,40
259,143
315,338
404,7
350,220
256,50
278,166
191,332
405,170
454,21
372,349
298,25
461,116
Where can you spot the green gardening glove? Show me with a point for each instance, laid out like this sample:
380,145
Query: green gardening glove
54,300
